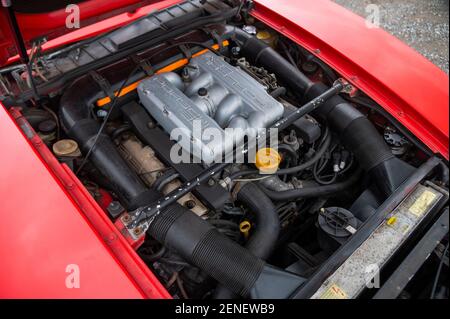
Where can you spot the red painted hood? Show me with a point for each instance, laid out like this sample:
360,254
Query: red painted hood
47,19
403,82
60,223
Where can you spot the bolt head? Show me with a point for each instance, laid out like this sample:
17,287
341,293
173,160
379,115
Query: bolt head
202,91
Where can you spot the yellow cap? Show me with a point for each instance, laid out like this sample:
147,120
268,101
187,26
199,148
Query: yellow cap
244,228
267,160
268,37
263,35
391,221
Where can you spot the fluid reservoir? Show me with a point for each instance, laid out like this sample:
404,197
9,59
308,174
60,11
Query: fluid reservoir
268,37
336,225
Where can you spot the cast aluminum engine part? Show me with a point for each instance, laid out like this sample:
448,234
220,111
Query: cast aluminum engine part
215,95
144,162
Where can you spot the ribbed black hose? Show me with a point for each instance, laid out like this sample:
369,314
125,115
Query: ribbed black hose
355,130
199,243
267,228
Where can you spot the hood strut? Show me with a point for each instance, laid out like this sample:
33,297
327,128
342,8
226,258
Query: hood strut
19,42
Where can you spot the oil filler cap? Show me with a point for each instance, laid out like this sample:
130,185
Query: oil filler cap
267,160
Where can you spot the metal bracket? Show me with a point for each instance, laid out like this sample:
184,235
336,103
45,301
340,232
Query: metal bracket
186,51
144,64
103,84
347,87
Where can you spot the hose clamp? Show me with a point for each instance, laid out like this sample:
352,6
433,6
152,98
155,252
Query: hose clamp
143,217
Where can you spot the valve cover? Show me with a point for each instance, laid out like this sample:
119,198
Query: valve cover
213,97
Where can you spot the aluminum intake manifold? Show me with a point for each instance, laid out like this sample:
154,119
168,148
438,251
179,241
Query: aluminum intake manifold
199,108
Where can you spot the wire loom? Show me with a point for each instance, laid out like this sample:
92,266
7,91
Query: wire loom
169,68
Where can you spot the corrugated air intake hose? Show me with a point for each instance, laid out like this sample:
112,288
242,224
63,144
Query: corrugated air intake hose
177,228
355,130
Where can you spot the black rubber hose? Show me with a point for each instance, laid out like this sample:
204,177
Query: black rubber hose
356,131
444,173
313,191
266,231
199,243
155,256
167,177
267,222
79,125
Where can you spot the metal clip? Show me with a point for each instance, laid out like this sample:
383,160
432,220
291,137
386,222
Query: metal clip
347,87
144,64
103,84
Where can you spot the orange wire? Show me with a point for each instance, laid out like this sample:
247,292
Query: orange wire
171,67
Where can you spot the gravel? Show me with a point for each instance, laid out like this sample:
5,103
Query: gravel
422,24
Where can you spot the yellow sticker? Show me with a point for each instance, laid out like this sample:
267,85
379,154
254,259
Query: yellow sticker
421,204
334,292
391,221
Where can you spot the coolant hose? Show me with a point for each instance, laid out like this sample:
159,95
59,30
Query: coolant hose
267,221
355,130
267,227
312,191
78,123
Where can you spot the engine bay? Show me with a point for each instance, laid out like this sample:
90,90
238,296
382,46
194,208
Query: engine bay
156,119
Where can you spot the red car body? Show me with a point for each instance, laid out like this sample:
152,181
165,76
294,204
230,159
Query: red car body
48,219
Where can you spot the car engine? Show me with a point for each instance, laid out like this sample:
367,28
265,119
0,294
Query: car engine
152,116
